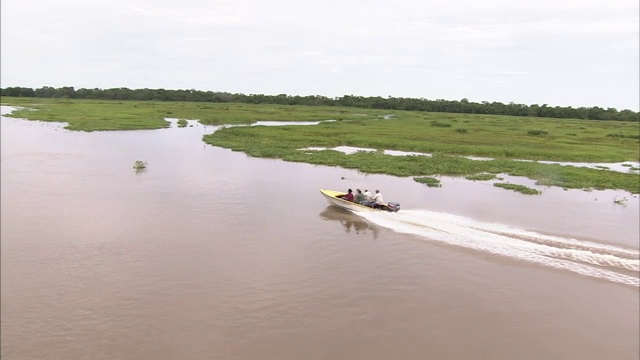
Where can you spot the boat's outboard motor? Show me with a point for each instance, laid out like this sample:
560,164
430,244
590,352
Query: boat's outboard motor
393,206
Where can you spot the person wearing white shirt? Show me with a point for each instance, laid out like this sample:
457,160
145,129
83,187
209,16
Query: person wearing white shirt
367,198
378,201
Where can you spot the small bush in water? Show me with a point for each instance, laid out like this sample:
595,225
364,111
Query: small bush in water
138,165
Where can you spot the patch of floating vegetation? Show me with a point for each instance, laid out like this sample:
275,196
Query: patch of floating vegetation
481,177
519,188
429,181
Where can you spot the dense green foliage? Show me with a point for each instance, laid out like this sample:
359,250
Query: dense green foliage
389,103
504,139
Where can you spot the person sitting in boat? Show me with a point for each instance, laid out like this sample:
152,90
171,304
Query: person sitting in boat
349,196
378,201
367,198
359,196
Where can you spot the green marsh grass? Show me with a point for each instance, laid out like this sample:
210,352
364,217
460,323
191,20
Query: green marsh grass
481,177
284,142
538,132
505,139
100,115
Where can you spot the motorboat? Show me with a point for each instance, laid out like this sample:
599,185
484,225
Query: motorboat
337,198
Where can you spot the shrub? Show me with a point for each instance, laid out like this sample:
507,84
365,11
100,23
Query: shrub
138,165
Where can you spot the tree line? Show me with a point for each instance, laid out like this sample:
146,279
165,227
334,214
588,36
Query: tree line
376,102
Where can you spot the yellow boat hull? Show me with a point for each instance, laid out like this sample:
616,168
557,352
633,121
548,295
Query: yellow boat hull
335,198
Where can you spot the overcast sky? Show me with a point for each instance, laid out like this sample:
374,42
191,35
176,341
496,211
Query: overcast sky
556,52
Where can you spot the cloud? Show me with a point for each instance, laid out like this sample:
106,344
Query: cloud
494,50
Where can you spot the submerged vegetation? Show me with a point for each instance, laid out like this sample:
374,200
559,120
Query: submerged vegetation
505,140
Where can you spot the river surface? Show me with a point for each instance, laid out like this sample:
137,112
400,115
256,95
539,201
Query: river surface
210,254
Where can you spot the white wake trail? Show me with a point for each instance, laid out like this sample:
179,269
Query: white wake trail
583,257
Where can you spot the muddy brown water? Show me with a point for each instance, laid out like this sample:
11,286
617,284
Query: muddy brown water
210,254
